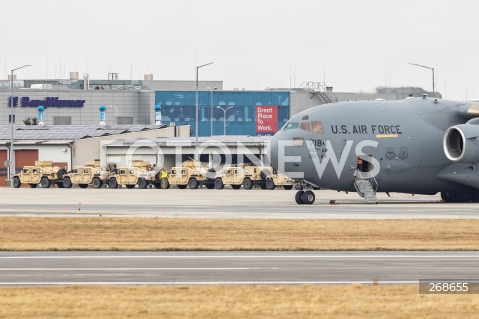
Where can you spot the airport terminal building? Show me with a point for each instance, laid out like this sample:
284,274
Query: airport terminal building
127,102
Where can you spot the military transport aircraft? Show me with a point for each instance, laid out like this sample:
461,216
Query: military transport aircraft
418,145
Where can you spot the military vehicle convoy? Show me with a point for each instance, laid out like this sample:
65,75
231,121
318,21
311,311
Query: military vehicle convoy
43,173
193,175
84,176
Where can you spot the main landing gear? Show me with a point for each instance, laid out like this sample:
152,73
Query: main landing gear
305,193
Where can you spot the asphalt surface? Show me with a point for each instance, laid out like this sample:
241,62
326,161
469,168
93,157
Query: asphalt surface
226,203
189,268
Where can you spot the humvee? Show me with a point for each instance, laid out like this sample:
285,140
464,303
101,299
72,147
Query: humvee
238,175
270,178
84,175
138,173
43,173
192,174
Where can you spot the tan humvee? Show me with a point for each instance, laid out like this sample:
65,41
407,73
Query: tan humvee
270,178
246,175
139,173
192,174
43,173
84,175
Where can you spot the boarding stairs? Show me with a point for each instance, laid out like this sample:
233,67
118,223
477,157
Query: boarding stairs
366,187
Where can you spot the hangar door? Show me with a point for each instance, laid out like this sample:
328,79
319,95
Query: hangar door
22,158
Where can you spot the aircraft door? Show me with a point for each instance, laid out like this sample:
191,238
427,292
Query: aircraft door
363,166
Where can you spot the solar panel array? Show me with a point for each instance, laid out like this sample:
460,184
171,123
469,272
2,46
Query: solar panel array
68,132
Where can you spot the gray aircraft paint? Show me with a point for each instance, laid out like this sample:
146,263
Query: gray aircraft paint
410,155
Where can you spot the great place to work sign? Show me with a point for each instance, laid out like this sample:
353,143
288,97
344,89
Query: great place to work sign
48,102
266,120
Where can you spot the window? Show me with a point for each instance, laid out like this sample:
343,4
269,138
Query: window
290,126
122,171
85,171
305,127
75,171
62,120
317,127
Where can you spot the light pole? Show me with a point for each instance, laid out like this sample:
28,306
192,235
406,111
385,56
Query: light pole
12,160
224,117
211,117
116,113
422,66
196,147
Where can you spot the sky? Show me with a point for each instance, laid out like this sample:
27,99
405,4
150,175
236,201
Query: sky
352,45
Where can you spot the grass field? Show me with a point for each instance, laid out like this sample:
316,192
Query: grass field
99,233
309,301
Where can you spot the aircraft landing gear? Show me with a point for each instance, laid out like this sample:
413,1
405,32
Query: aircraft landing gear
298,197
305,197
305,194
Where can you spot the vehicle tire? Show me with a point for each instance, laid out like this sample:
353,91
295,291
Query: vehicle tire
60,184
112,183
236,186
45,182
193,183
142,183
16,182
96,183
61,172
270,184
182,186
83,185
308,197
33,185
67,183
297,197
247,183
210,186
288,187
130,186
219,183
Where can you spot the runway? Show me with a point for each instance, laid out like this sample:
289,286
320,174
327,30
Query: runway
190,268
226,203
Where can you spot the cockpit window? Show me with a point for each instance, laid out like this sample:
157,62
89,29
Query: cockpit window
317,127
290,126
305,127
305,118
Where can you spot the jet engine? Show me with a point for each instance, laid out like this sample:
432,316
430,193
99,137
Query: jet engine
461,143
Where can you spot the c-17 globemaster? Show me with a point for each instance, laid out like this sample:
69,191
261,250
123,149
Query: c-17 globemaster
417,145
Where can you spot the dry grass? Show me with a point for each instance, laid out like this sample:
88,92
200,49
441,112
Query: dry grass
309,301
99,233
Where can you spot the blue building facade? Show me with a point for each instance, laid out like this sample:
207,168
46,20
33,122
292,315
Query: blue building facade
238,106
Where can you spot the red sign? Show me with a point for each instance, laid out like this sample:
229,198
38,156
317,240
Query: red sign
266,119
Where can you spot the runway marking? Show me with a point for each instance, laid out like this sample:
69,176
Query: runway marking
183,283
109,269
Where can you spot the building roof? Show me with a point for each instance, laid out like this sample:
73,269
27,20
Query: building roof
61,134
229,140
